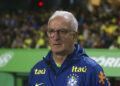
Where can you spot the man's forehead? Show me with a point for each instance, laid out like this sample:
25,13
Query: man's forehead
57,25
59,20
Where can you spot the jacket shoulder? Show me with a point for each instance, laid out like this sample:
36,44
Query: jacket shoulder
91,64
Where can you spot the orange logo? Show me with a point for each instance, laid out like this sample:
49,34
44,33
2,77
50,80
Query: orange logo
102,77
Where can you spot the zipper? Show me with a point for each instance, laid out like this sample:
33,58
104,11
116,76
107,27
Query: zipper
55,80
55,77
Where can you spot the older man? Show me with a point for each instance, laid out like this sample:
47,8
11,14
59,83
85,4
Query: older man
66,64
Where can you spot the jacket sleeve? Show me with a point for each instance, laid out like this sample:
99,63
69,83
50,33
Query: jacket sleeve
101,79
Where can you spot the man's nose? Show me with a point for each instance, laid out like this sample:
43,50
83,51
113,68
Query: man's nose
56,36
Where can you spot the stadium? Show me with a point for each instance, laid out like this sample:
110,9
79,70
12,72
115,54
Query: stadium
24,41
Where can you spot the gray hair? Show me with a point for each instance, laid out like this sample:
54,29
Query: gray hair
67,15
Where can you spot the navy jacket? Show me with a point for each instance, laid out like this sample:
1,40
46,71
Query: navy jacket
77,70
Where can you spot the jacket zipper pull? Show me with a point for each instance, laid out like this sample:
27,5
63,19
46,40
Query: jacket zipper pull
55,77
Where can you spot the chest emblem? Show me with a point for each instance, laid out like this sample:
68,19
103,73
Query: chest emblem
72,80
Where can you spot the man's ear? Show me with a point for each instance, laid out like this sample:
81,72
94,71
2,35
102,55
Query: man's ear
75,35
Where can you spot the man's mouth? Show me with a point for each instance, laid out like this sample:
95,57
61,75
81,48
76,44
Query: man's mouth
57,44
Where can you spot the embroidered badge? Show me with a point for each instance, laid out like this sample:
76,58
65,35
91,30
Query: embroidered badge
102,77
72,80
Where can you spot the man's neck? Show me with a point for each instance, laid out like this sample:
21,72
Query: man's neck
59,58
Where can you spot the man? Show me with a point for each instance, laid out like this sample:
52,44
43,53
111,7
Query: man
66,64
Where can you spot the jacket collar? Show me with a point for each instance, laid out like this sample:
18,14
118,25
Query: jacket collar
75,55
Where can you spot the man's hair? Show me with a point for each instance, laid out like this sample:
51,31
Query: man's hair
66,14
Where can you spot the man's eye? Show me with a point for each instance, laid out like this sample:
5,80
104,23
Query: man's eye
63,31
51,31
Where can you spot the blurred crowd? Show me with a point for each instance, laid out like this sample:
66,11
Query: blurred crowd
99,28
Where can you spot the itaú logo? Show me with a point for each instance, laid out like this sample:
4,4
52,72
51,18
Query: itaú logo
5,58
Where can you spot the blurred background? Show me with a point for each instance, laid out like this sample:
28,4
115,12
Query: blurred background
23,25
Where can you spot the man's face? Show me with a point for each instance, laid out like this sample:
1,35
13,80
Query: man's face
61,36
